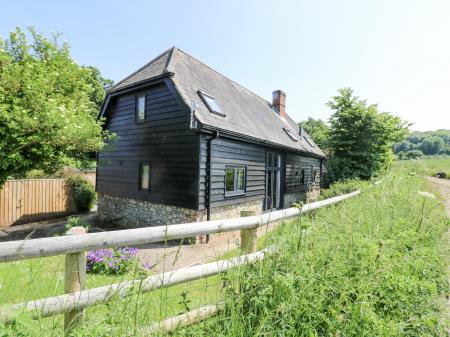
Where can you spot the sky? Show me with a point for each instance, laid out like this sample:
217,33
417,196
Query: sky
395,53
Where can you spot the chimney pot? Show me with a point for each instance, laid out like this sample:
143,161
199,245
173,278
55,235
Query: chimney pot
279,102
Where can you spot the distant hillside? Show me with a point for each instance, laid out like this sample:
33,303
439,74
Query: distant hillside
419,143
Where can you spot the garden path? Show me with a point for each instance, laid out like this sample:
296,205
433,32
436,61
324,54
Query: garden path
443,186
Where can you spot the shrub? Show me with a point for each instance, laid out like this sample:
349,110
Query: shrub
112,261
74,221
83,192
341,187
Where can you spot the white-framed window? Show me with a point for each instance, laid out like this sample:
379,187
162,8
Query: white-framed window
211,103
235,177
145,174
140,109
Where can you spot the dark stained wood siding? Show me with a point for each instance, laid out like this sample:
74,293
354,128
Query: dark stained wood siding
164,140
294,165
229,152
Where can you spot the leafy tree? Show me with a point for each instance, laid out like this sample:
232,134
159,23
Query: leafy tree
430,142
48,105
403,146
432,145
413,154
318,130
361,137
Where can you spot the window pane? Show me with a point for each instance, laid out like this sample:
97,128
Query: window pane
212,104
145,176
229,179
240,179
140,113
269,158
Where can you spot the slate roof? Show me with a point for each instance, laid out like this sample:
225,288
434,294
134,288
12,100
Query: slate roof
246,113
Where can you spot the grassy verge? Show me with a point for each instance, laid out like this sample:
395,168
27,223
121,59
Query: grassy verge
374,265
371,266
427,166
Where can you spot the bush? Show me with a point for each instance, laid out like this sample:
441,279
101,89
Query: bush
83,193
112,261
341,187
74,221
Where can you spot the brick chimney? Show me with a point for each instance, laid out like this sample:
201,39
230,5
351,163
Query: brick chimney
279,102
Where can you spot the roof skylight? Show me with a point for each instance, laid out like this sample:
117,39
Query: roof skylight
308,141
211,103
290,134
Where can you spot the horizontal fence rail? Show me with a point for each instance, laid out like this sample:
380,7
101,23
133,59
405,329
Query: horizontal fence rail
75,245
27,249
81,299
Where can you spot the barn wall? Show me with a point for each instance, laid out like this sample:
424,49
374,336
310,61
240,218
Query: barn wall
296,191
164,141
229,152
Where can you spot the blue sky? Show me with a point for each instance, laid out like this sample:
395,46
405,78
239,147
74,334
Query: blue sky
394,53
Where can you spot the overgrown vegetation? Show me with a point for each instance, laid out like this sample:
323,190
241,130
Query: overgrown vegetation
342,187
48,106
359,138
82,192
374,265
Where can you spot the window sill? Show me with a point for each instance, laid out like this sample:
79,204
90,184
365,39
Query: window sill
234,194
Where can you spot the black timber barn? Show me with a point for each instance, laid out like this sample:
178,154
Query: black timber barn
194,145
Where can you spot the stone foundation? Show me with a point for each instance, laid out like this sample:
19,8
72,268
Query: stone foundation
310,195
132,213
234,211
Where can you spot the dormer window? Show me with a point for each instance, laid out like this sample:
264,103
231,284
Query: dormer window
290,134
211,103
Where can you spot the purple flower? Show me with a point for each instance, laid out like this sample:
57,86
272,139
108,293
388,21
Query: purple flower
147,265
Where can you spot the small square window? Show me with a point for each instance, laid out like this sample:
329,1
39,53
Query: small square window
140,109
234,180
211,103
145,171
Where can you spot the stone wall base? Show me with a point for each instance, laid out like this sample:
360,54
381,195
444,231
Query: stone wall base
130,213
310,195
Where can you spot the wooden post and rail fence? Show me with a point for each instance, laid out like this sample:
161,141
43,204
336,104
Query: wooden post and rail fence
75,245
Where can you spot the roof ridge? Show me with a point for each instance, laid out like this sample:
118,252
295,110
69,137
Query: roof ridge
144,66
229,79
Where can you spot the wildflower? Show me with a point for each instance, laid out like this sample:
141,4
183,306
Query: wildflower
147,265
426,194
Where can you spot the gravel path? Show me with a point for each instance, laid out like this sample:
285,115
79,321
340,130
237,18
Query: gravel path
175,256
443,186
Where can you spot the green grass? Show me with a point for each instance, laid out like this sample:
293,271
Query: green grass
374,265
426,166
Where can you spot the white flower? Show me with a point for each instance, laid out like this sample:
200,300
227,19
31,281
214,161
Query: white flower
426,195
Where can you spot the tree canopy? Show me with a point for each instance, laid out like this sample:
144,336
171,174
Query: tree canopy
48,105
428,142
319,131
361,138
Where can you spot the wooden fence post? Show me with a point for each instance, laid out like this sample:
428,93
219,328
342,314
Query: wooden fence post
75,280
248,236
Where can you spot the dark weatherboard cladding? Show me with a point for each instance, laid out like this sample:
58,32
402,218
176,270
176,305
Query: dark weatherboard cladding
191,138
163,140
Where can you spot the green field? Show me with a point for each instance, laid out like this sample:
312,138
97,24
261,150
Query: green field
374,265
426,166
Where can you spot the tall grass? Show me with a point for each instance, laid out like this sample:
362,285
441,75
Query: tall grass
374,265
365,268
